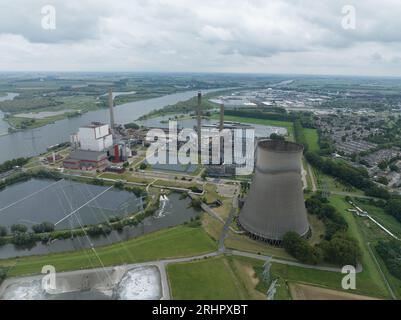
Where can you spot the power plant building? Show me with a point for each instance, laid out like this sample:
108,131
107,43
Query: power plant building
275,202
95,137
85,160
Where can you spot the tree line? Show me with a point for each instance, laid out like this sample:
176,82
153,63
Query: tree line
11,164
356,177
390,252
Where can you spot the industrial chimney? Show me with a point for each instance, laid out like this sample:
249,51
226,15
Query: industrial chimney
275,202
199,123
111,108
221,116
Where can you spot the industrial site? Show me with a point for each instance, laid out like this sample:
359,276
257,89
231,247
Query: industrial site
107,198
219,154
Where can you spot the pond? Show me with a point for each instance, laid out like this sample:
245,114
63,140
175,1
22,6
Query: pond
36,201
173,211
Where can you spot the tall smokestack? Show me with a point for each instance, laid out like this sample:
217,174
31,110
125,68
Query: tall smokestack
221,116
111,106
199,122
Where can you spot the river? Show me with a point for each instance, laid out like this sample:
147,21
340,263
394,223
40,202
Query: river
32,142
3,124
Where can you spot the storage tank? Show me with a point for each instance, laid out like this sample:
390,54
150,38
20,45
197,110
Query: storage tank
275,202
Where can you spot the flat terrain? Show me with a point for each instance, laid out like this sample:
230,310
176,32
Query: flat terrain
213,278
312,138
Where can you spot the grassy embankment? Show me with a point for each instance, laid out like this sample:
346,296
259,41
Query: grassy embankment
214,278
372,233
180,241
369,281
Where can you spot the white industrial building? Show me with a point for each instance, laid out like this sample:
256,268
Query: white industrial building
95,137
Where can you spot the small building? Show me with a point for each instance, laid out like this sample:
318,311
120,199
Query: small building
86,160
115,169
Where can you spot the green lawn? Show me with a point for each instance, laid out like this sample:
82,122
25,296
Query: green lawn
179,241
369,281
203,280
383,218
312,138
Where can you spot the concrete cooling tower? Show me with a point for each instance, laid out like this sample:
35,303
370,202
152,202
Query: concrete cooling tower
275,202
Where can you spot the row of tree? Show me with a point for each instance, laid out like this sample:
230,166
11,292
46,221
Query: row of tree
356,177
390,252
10,164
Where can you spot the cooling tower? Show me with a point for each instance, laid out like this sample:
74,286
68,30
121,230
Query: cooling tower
275,202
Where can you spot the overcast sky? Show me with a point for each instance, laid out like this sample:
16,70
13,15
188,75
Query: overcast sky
263,36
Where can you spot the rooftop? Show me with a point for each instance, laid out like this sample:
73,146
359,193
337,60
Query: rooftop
86,155
94,125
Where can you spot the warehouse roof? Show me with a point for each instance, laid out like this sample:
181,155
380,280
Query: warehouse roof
87,155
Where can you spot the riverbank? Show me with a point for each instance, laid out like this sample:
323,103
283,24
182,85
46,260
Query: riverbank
32,142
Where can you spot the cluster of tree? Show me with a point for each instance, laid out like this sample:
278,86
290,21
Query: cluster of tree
43,227
45,174
21,236
131,125
245,185
326,145
393,207
196,203
390,252
333,220
97,182
300,248
336,248
275,136
356,177
99,229
138,191
306,118
3,231
194,222
10,164
119,185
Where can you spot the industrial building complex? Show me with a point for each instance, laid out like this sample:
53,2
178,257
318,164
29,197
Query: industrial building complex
95,144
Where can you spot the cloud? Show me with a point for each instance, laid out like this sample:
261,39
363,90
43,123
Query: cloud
211,35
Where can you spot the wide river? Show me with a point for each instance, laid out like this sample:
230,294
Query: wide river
35,141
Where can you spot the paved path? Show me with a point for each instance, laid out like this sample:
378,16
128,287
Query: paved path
312,177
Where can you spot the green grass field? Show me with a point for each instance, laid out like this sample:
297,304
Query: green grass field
174,242
203,280
369,281
312,138
215,278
